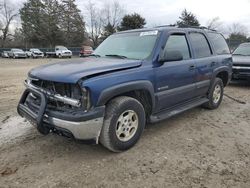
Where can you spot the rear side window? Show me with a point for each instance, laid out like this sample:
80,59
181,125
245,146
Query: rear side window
200,45
178,42
219,43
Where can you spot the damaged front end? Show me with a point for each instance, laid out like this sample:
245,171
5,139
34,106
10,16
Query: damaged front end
61,108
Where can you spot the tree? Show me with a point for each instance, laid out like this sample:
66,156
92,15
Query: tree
108,30
94,23
237,34
187,19
40,22
104,21
72,24
237,28
112,14
132,21
214,24
7,15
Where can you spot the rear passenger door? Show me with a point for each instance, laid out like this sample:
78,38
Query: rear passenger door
205,62
176,79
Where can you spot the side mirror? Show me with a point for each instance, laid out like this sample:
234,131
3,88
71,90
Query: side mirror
169,55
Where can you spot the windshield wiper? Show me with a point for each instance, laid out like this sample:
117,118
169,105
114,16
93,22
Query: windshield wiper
116,55
95,55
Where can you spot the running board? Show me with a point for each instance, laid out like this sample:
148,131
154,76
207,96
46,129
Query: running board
177,110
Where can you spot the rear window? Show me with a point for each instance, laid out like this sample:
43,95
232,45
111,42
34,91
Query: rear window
200,45
219,43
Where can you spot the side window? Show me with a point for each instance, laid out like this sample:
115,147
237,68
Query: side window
178,42
219,43
200,45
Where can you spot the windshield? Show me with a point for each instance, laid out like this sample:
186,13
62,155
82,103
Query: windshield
136,45
17,50
242,50
34,50
61,48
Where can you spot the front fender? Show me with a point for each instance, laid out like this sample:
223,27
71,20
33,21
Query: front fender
113,91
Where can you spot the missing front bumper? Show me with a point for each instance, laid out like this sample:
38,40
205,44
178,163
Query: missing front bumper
86,126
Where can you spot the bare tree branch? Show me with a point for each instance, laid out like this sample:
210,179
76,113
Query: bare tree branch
238,29
215,24
94,23
7,14
113,13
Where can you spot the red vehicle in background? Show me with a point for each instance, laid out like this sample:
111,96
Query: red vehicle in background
86,51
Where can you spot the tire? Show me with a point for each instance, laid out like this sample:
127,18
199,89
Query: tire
215,94
132,112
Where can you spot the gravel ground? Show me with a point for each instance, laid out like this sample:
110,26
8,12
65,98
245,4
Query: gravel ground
199,148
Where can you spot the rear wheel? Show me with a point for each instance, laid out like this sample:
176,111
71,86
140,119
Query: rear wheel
124,123
215,95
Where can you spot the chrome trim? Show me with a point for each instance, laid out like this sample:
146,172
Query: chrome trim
240,67
85,130
55,97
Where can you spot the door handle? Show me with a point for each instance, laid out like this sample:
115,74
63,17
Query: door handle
213,64
191,67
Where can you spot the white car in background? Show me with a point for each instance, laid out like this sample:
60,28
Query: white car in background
36,53
60,51
17,53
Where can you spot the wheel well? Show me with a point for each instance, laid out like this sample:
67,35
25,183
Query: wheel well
143,97
223,76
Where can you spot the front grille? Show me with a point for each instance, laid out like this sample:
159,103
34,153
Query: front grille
64,89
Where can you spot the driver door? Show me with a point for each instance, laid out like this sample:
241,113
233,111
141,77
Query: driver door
176,79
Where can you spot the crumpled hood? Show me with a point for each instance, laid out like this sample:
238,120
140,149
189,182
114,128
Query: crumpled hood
72,70
243,60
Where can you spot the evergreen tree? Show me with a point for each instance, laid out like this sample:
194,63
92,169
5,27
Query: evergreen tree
187,19
109,29
72,24
132,21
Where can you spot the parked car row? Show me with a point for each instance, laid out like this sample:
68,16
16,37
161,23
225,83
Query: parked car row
60,51
19,53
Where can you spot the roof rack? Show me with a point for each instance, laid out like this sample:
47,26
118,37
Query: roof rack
195,27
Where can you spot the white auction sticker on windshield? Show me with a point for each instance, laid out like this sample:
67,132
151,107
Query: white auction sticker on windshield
147,33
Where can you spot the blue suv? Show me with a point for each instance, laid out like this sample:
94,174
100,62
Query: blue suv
133,78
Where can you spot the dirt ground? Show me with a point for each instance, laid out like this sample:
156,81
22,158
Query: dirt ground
199,148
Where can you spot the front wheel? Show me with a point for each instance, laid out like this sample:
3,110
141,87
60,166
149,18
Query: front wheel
215,95
124,123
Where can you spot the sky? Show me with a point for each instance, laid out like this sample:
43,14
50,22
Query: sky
164,12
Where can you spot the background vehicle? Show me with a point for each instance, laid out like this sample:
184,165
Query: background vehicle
17,53
28,54
5,54
241,62
86,51
35,53
133,77
60,51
